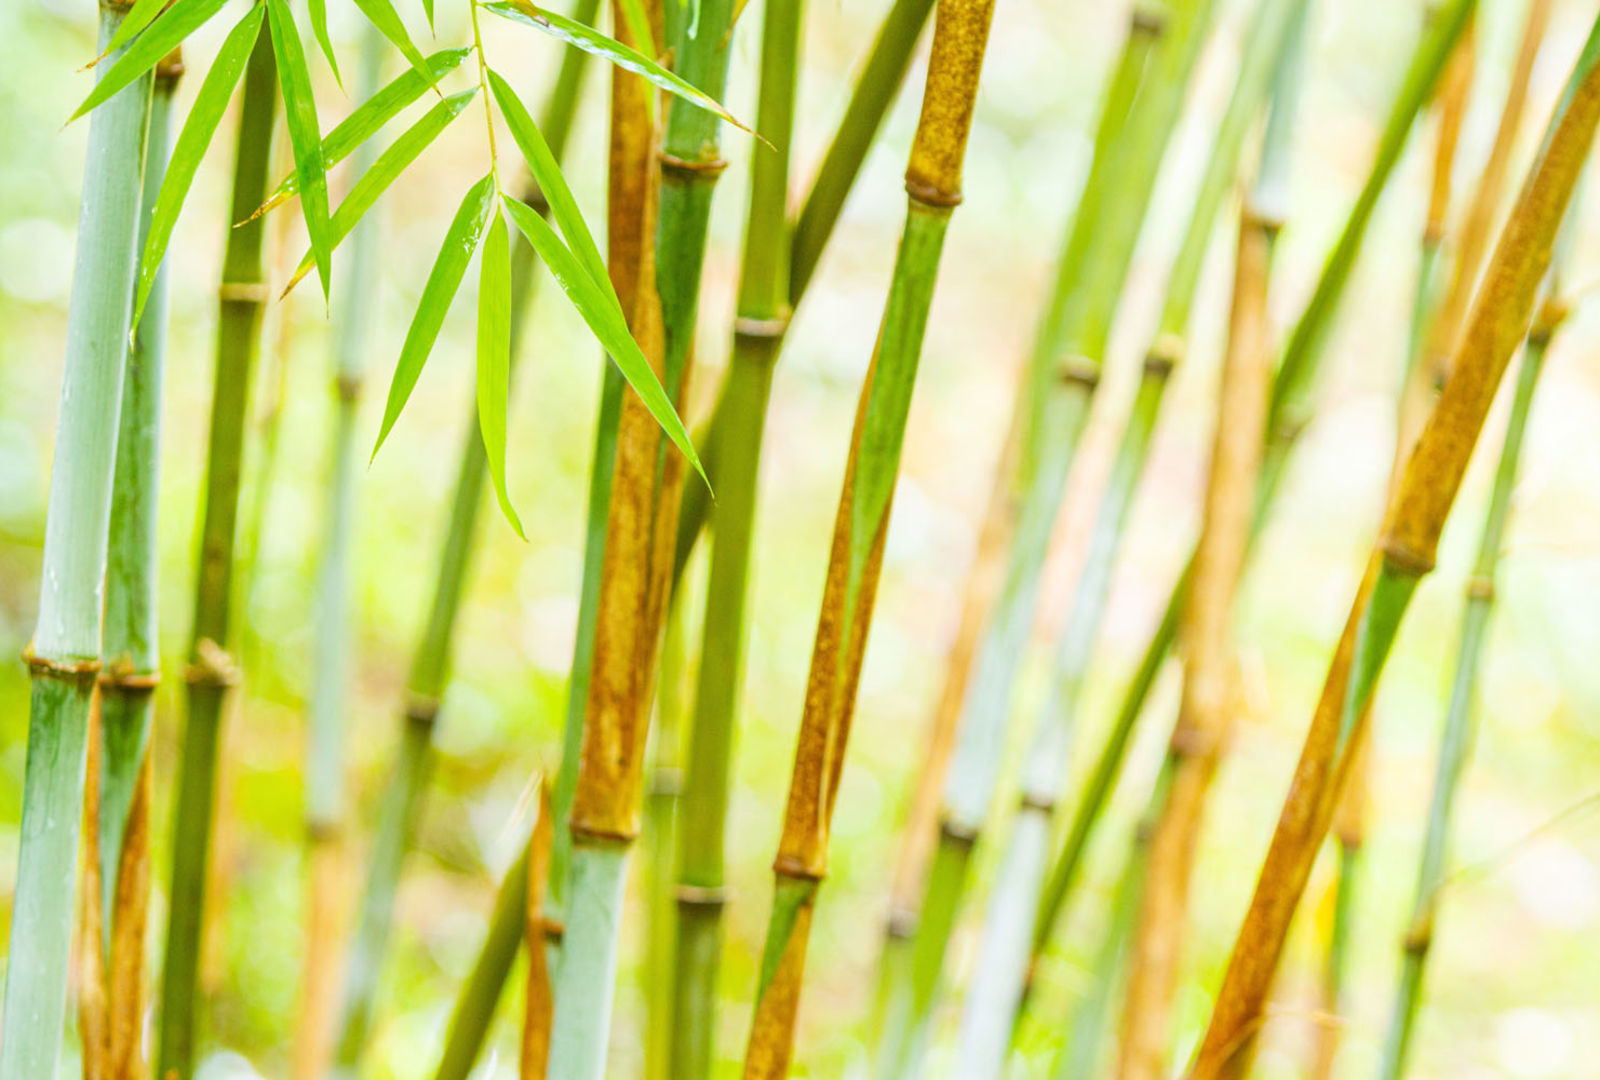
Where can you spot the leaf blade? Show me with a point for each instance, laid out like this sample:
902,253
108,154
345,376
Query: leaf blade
494,359
600,311
460,241
595,43
216,90
318,10
300,116
381,13
163,35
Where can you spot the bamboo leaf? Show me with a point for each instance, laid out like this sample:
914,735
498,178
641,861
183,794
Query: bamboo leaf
604,316
384,171
209,105
459,243
593,41
494,358
547,174
381,13
300,116
371,116
319,26
164,34
427,7
138,17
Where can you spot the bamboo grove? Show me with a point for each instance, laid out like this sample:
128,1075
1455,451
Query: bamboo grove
1047,777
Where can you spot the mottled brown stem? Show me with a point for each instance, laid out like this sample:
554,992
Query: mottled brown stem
539,1005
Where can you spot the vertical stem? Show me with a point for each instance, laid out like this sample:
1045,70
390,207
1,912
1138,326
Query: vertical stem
243,297
933,183
430,665
763,315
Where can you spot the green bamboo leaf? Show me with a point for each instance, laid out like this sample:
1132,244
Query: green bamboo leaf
601,311
593,41
381,13
138,17
369,118
209,105
427,7
459,243
384,171
547,174
165,34
319,26
300,116
494,358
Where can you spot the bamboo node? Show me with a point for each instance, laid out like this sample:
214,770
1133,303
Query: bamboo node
1254,215
1190,741
73,671
422,708
1480,587
666,781
212,666
1419,936
123,675
322,832
1163,356
244,292
554,929
171,65
535,199
601,836
1080,370
762,329
957,833
787,866
1552,313
932,195
348,387
697,169
1044,804
902,924
1148,19
700,896
1404,559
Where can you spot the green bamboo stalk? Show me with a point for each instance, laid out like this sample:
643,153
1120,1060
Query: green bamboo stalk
430,665
65,652
933,184
1288,413
882,74
243,298
1404,553
763,315
130,649
603,818
997,983
1072,345
330,676
1456,739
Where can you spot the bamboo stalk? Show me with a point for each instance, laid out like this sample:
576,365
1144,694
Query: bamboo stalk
430,664
325,842
996,989
660,300
1063,376
64,654
538,1006
1456,739
933,184
1287,417
1416,397
762,319
1403,555
1209,704
211,670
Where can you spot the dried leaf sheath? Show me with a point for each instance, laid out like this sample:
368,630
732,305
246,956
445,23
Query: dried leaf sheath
933,182
1404,554
1208,706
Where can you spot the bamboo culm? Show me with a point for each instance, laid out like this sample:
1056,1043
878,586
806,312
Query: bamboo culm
1405,552
65,652
1064,373
430,665
211,670
763,313
998,981
933,184
1287,416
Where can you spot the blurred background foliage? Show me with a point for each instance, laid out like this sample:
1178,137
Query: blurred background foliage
1512,989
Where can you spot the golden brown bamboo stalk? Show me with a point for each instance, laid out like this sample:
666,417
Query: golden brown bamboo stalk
983,586
94,1005
540,1001
319,996
1209,701
131,902
1405,551
1477,224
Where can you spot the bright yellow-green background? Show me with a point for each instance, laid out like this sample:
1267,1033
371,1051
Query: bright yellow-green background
1513,988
